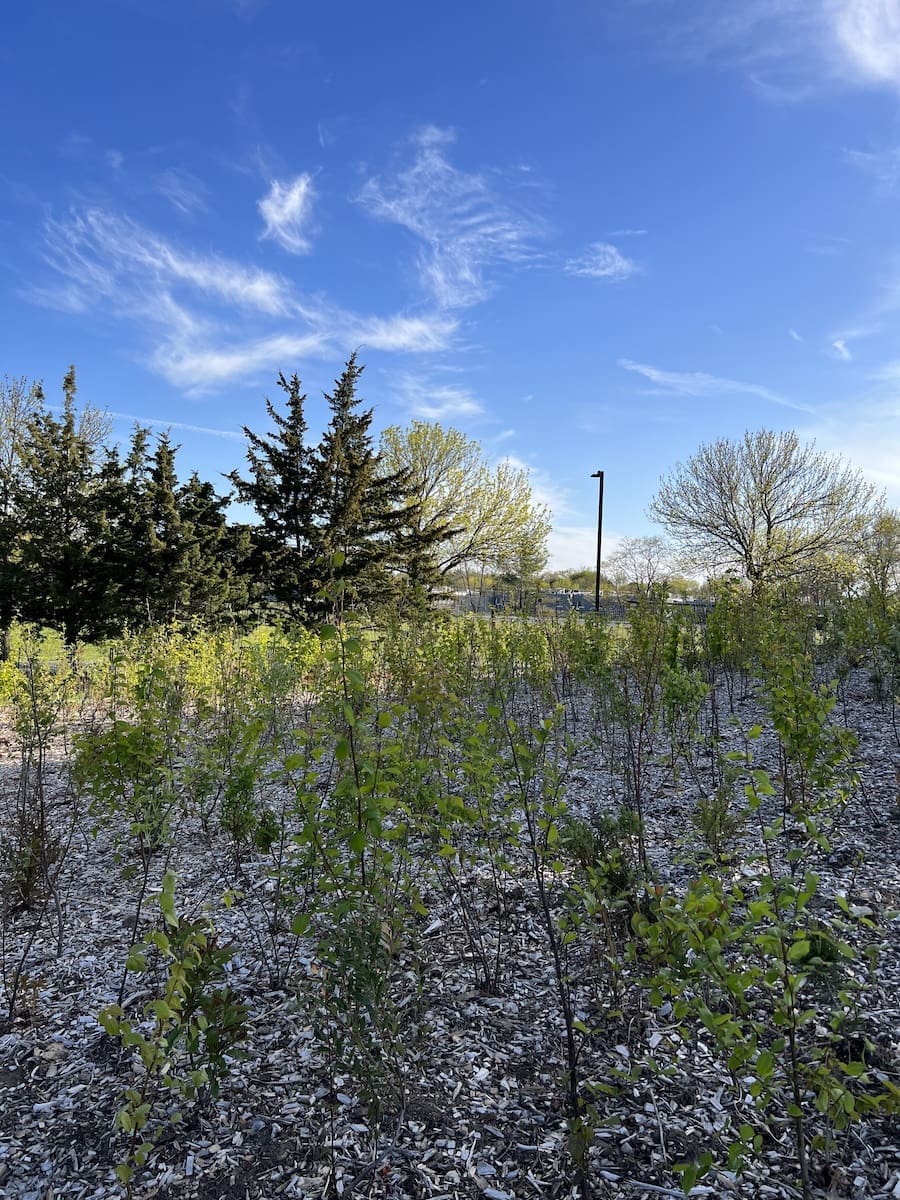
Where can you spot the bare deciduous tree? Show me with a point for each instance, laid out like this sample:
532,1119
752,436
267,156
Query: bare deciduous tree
640,562
767,505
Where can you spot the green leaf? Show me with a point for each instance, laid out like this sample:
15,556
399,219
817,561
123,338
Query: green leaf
142,1153
799,950
762,783
765,1065
136,960
688,1173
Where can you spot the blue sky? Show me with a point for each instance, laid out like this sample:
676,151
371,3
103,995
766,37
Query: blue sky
589,234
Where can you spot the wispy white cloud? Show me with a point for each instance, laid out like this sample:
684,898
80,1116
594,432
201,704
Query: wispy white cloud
888,372
602,260
866,431
779,93
882,165
545,488
286,210
202,363
401,332
876,318
794,335
99,251
828,245
574,547
162,423
839,346
789,49
183,191
464,226
704,386
432,401
207,319
866,38
199,366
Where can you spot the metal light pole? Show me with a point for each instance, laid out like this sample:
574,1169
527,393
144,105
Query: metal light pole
598,475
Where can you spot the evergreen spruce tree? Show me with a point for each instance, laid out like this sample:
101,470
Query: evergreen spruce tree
363,529
167,565
19,404
125,486
335,528
280,486
170,555
245,590
218,586
65,580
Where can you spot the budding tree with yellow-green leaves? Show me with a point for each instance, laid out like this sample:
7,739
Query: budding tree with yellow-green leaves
492,522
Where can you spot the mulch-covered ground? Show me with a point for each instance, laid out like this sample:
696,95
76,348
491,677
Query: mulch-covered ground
478,1105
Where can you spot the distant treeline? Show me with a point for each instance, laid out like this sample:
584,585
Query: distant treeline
95,539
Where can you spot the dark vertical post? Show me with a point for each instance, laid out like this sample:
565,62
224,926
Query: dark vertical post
598,475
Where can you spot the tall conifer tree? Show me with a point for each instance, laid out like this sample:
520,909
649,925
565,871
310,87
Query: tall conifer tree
124,487
218,587
19,404
280,486
363,512
65,580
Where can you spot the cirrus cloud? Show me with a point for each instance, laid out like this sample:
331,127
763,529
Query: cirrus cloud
286,210
702,385
602,260
788,49
464,226
205,319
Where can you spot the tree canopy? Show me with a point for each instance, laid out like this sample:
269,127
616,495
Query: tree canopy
478,514
337,525
767,506
640,562
280,487
20,402
96,537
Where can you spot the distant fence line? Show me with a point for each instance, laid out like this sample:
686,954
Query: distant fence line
614,608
